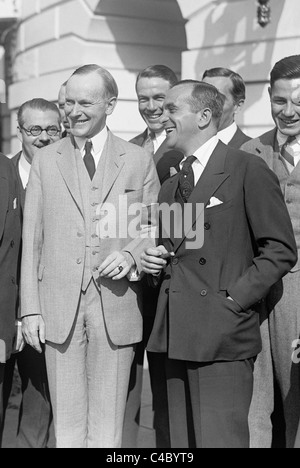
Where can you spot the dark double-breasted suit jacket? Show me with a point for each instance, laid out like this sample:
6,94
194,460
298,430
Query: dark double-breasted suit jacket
16,160
10,236
248,245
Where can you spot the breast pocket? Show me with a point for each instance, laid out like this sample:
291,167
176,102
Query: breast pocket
218,208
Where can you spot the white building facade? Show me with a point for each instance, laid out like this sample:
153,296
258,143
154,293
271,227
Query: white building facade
44,41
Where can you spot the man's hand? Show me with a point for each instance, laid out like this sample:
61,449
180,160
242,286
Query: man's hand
116,266
33,328
152,260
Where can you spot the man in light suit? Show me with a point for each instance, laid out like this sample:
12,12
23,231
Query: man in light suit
39,125
232,87
280,149
152,83
207,321
79,253
10,237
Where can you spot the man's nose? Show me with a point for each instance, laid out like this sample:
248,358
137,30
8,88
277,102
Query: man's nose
44,137
289,109
152,105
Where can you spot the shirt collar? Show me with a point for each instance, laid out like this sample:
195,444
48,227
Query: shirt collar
24,164
98,141
227,134
281,138
205,151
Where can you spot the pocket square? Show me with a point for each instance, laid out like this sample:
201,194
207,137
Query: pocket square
15,204
214,202
173,171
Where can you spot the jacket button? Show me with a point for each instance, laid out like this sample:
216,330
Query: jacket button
167,291
203,292
79,261
13,280
202,261
79,234
206,226
175,261
12,243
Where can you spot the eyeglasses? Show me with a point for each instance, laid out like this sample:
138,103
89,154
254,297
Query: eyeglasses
36,130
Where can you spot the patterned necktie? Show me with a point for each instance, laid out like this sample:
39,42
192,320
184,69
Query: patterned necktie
286,151
89,159
186,178
148,143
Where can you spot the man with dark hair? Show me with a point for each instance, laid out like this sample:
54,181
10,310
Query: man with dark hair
10,237
236,241
232,87
152,84
39,125
280,148
81,260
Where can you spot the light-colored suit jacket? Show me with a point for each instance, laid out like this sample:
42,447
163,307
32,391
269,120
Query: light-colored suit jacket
54,241
266,146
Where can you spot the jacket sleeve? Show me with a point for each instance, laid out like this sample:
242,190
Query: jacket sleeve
272,231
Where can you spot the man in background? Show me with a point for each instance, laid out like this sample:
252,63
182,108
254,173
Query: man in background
232,87
151,86
280,330
61,106
39,125
10,237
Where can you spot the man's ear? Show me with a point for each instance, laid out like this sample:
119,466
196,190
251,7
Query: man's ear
110,106
238,106
204,117
19,134
270,91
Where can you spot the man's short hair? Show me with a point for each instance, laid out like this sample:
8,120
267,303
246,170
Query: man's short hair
287,68
36,104
238,90
111,87
158,71
204,95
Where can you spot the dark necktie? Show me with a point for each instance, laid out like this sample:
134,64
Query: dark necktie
186,178
89,159
286,151
148,143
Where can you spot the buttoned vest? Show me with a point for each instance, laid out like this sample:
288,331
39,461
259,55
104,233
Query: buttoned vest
290,186
91,198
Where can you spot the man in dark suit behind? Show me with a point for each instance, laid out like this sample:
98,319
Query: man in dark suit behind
151,86
231,85
38,126
206,320
10,236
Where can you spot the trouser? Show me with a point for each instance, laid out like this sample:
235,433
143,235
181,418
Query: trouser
35,413
158,383
278,367
209,403
88,380
2,370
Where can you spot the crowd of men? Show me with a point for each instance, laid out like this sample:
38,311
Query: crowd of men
83,296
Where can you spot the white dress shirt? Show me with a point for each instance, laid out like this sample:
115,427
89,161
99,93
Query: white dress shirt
24,170
227,134
158,139
202,154
98,142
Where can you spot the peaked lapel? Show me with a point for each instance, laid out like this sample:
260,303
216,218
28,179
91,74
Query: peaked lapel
211,179
113,163
66,162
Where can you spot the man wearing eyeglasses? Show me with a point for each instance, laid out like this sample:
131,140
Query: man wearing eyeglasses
39,125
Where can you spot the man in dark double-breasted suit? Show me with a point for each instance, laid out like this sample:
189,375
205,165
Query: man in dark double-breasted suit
10,236
207,320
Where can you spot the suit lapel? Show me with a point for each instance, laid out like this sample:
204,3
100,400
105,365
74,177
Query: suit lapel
66,161
113,163
211,179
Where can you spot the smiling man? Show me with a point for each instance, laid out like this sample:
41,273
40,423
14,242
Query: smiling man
207,321
76,290
280,148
